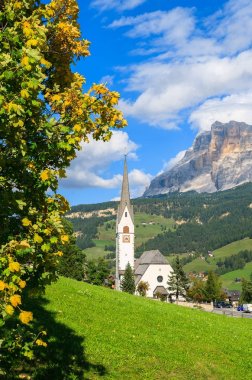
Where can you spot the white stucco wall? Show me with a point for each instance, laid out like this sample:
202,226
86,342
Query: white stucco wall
151,274
125,250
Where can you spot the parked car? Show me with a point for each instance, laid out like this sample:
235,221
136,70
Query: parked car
247,307
222,304
240,308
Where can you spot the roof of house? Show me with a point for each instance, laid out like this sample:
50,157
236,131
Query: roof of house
160,290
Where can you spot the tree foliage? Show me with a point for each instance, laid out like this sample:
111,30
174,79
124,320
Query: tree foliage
213,288
196,291
96,271
142,288
45,115
177,281
128,281
246,294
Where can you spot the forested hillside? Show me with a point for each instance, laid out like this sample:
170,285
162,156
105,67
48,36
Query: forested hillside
197,222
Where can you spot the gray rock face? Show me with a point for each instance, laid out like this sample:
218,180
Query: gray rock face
218,160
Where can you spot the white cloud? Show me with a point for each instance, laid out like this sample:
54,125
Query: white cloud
139,181
89,169
120,5
174,26
107,79
192,61
90,166
234,107
167,88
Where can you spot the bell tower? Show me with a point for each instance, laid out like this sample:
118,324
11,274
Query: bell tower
124,230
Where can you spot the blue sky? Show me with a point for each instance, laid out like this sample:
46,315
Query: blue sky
179,66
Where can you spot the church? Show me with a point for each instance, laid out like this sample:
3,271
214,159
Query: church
152,266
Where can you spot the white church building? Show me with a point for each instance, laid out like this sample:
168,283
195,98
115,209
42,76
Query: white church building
152,266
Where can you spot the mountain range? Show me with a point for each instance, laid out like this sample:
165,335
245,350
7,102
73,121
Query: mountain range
219,159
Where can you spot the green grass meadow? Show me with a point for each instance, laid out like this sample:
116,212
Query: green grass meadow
106,334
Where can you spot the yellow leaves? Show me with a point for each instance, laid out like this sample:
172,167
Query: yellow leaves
15,300
23,245
25,61
46,63
2,285
56,98
32,42
9,309
77,128
62,173
24,94
27,30
17,5
50,200
37,238
45,175
64,239
19,123
26,222
40,342
25,317
13,107
114,100
22,284
58,253
14,266
99,89
47,231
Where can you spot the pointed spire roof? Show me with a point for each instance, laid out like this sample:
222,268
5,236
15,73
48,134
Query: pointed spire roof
125,195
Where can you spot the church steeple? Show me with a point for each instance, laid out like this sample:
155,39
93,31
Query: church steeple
125,194
124,230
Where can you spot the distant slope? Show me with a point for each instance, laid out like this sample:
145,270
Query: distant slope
128,337
203,221
229,280
207,263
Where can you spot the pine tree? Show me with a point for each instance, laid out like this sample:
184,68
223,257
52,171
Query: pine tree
128,282
177,281
213,287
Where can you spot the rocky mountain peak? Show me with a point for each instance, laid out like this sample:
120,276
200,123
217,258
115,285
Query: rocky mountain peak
218,160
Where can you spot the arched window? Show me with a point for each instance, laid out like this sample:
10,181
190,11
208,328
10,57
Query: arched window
126,214
125,229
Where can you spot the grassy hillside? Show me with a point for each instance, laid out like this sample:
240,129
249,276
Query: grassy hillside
228,279
146,227
203,222
99,333
201,265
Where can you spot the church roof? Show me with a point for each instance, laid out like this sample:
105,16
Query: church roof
151,257
145,260
125,195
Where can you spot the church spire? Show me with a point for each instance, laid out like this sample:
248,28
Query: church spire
125,195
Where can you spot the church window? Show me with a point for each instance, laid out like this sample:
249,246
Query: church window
159,278
125,229
126,214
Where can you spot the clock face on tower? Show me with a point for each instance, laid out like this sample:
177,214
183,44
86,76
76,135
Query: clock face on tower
126,238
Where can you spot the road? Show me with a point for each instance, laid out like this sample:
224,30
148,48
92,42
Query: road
232,313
